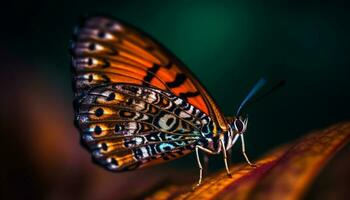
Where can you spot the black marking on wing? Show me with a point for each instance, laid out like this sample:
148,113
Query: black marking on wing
150,74
179,79
106,63
168,65
188,94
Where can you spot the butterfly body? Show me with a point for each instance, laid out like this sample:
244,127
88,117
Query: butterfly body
136,104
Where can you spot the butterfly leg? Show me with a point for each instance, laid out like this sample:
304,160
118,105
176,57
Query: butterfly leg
244,152
229,156
225,159
200,166
205,163
199,161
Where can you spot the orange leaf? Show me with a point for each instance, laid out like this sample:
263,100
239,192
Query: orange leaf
285,173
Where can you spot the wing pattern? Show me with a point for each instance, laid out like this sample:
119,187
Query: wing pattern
126,126
107,51
135,102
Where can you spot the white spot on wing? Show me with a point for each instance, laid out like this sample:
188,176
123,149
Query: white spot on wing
163,121
108,36
178,101
98,47
152,97
132,125
184,114
138,140
117,27
144,117
144,152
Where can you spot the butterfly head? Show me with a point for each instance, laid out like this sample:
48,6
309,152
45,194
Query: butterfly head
239,124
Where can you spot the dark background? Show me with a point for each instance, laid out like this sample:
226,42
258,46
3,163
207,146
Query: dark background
228,46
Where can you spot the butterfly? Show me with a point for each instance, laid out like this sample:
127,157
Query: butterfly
136,104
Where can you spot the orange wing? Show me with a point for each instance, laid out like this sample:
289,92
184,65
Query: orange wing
110,51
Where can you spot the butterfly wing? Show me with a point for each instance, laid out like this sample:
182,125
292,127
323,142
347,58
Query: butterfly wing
126,126
110,51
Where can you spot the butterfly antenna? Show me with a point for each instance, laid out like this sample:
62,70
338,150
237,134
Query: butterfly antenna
258,85
275,87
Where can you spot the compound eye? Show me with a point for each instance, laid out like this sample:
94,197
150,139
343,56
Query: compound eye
239,125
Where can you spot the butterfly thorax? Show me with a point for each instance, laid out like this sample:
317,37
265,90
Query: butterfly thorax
236,127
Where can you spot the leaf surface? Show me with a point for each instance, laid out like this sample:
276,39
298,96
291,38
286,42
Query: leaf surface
284,173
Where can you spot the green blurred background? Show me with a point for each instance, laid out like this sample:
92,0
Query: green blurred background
228,46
